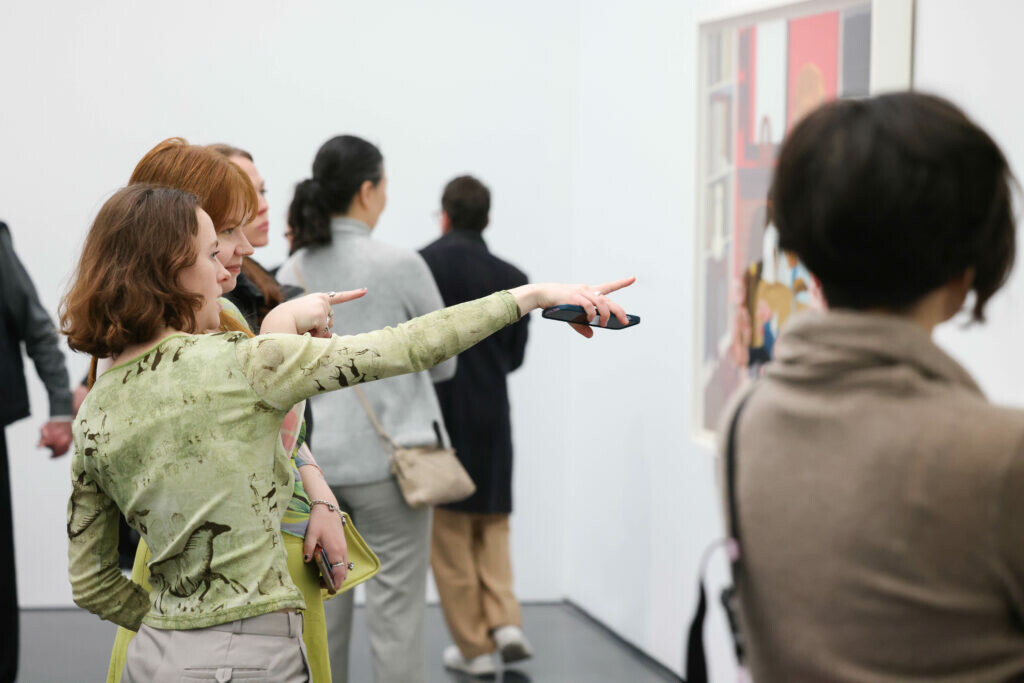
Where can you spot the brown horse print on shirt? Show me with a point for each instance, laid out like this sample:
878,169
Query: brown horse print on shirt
185,573
81,516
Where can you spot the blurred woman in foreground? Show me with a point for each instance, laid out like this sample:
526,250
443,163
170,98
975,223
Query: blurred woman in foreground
879,495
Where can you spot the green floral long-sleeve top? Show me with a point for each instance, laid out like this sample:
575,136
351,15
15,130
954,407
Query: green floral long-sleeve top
293,434
185,441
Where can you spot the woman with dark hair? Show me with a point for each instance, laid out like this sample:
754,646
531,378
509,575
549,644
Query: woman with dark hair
182,435
878,497
348,178
333,216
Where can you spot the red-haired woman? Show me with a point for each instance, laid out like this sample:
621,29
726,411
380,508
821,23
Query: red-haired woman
233,203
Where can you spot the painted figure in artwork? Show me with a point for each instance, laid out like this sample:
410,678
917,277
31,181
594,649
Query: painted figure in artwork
770,291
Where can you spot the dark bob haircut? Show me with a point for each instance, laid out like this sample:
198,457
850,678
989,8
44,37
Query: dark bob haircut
888,198
467,202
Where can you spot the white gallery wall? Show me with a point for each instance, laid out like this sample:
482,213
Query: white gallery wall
581,118
642,503
443,88
641,506
967,52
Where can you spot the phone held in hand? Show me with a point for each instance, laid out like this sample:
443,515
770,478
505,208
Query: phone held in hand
326,570
574,314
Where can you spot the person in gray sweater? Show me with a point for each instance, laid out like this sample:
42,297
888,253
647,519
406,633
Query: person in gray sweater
879,497
332,215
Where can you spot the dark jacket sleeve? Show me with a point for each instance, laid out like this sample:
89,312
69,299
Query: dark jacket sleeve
513,341
33,326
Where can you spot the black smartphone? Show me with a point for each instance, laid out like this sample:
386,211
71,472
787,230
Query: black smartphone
326,571
575,314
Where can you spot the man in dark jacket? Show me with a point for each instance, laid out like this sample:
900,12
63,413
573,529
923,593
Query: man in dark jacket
470,543
23,319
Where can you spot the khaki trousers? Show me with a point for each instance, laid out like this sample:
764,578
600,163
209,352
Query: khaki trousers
469,554
264,648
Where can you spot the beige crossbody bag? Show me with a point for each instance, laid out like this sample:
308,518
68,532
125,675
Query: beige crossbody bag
427,475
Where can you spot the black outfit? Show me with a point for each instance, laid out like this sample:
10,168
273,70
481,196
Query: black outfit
22,319
475,401
253,307
249,299
8,582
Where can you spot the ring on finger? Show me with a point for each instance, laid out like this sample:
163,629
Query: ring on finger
330,295
348,565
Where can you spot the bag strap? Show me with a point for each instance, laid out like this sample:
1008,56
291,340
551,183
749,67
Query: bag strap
696,660
373,416
730,482
696,664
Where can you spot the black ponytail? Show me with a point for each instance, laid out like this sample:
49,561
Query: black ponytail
340,168
308,216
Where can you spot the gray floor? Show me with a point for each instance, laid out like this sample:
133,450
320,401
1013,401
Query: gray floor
74,646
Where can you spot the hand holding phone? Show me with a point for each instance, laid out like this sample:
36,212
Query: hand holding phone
327,570
593,298
577,316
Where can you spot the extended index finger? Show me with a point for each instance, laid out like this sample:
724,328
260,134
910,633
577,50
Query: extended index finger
615,285
342,297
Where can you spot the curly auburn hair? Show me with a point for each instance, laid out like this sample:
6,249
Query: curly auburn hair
223,188
125,288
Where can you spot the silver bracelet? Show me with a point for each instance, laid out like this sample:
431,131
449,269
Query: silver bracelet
330,506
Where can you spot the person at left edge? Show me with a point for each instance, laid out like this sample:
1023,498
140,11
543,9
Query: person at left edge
23,320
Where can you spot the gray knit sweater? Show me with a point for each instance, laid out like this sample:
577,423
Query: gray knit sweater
400,287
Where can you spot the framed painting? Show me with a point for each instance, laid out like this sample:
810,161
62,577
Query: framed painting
758,74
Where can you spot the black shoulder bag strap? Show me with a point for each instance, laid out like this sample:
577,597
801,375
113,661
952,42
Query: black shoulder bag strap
696,661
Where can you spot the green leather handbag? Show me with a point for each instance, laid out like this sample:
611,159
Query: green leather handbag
363,562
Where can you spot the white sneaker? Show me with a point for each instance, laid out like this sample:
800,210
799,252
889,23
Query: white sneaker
512,644
478,666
